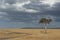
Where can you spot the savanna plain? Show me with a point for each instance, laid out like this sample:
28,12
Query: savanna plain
29,34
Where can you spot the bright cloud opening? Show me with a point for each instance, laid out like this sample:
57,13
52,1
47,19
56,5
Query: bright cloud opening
31,10
50,2
18,4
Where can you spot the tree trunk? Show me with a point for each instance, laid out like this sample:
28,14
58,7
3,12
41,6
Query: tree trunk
45,28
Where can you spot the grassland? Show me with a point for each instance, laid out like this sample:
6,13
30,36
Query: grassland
29,34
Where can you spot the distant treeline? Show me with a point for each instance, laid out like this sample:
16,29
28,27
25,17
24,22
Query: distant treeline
39,28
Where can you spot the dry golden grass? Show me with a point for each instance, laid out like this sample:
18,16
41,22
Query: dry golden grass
29,34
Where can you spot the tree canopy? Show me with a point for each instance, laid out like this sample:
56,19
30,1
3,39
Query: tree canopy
45,20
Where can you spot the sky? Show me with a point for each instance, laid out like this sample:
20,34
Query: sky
27,13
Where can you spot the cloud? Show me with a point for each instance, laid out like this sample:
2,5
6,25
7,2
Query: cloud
20,10
31,10
50,2
3,13
17,6
26,13
20,5
4,16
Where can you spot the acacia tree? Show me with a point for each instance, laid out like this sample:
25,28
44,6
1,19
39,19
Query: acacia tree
45,21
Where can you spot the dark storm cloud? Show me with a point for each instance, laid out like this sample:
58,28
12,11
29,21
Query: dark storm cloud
58,19
55,10
22,16
10,1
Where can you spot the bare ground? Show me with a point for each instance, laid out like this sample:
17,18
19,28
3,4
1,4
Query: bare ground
29,34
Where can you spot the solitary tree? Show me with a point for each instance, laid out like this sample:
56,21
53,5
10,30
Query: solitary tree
45,21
